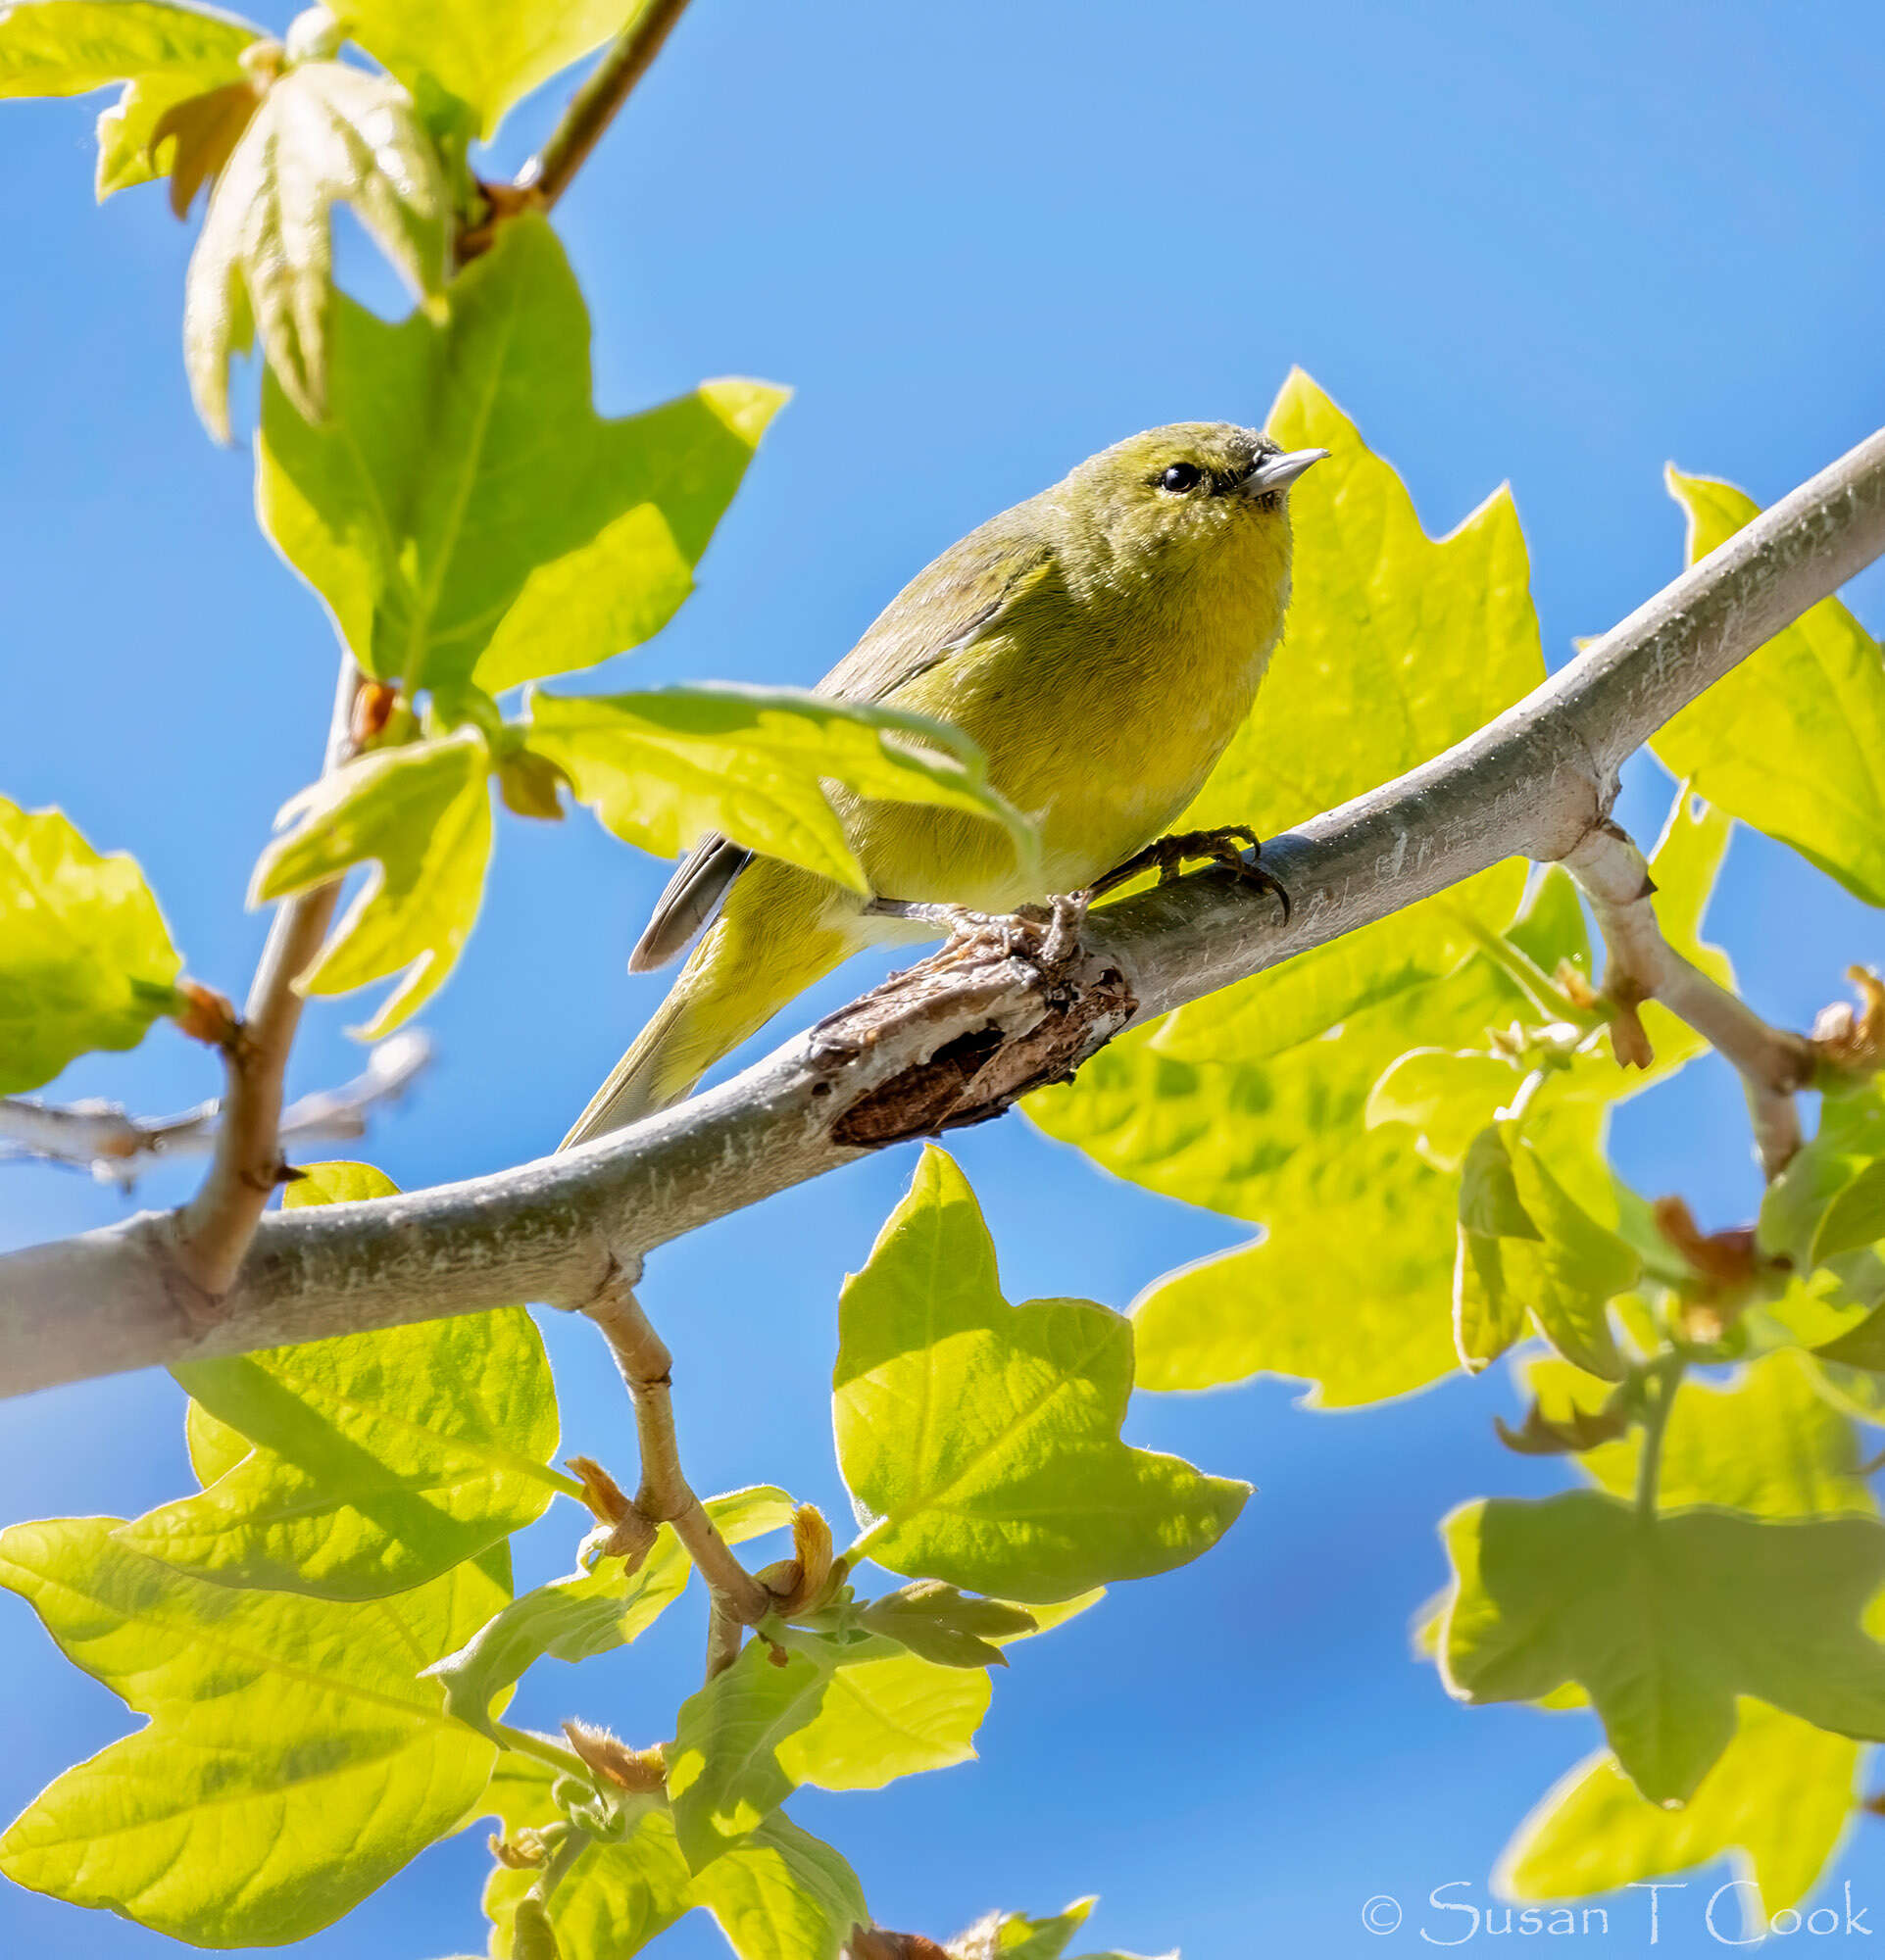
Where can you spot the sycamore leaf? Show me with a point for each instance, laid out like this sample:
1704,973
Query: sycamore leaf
325,135
1792,740
1664,1624
491,52
1550,927
942,1624
203,131
1801,1202
1445,1096
984,1439
662,769
1396,647
1013,1936
1352,1285
424,813
778,1894
847,1713
466,514
380,1459
86,960
293,1762
1569,1268
1765,1442
591,1612
613,1901
164,54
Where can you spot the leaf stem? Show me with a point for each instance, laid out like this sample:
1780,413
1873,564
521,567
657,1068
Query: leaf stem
528,1742
569,1847
594,105
1666,1374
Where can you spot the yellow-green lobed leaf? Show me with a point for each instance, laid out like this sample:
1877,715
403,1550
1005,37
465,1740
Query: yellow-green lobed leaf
464,513
379,1460
1792,740
293,1763
983,1438
660,769
424,811
163,54
326,134
86,960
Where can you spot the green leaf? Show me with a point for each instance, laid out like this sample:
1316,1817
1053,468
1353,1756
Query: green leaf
380,1459
1396,647
849,1713
591,1612
984,1439
1765,1441
1792,740
662,769
293,1761
466,514
1664,1624
1571,1267
1352,1285
1782,1796
944,1625
1800,1204
778,1894
1013,1936
163,54
424,813
613,1901
86,960
782,1894
491,52
325,135
1550,926
1445,1096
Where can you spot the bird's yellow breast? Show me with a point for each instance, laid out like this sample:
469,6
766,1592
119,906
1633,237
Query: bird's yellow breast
1102,703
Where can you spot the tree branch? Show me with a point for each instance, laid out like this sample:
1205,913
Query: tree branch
212,1232
963,1034
666,1496
118,1147
1642,966
546,176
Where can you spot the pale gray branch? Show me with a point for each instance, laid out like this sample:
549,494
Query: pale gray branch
965,1031
118,1147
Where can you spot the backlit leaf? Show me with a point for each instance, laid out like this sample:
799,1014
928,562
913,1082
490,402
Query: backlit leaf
984,1439
380,1459
420,511
424,813
1792,740
86,960
1781,1797
163,54
326,134
662,769
1666,1624
294,1760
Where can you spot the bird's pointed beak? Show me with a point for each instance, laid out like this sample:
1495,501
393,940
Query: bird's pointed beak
1272,473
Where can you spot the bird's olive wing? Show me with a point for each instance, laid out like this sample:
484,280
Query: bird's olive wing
945,608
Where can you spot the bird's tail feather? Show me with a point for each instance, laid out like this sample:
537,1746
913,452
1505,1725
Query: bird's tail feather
636,1086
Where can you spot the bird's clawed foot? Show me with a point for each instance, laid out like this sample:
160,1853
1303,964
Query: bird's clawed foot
1047,934
1167,855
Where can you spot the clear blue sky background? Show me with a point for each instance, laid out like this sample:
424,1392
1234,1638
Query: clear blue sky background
1558,243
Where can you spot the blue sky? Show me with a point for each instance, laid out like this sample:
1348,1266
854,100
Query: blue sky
1558,244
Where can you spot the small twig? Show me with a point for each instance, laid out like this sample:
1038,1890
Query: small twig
118,1147
1642,966
214,1229
739,1601
546,176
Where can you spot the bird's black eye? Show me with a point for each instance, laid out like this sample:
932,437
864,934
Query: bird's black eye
1180,477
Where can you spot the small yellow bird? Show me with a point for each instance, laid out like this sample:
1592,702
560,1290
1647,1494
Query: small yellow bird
1102,642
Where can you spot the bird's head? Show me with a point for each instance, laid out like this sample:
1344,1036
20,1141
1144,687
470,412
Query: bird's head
1184,494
